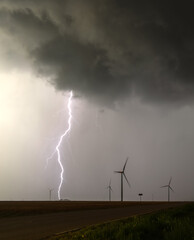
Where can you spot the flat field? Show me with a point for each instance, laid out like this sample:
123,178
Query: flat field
37,220
20,208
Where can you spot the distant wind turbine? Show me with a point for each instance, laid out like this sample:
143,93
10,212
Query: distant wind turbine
109,190
50,192
123,174
169,188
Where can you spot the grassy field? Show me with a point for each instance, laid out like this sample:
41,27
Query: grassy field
171,224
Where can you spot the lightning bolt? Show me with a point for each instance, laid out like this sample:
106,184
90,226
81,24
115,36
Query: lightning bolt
57,149
59,144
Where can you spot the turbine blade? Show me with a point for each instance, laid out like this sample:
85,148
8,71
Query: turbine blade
117,171
126,180
170,181
125,164
111,189
164,186
171,188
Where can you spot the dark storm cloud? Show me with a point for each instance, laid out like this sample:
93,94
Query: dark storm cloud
75,63
109,49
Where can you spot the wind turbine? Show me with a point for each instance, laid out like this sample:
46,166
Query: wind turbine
169,188
50,192
109,190
123,174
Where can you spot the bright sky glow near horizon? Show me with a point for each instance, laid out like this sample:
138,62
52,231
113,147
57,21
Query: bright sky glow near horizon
133,96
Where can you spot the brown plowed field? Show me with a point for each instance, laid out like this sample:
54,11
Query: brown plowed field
13,208
35,220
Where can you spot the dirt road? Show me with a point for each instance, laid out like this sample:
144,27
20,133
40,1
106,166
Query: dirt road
39,226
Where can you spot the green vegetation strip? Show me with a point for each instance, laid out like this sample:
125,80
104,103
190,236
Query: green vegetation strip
175,223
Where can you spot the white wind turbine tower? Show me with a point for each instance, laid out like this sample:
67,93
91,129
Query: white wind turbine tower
109,190
123,174
169,188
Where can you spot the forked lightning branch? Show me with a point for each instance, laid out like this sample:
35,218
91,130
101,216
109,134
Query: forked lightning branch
57,149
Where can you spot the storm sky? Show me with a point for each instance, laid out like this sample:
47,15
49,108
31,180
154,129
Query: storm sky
130,67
